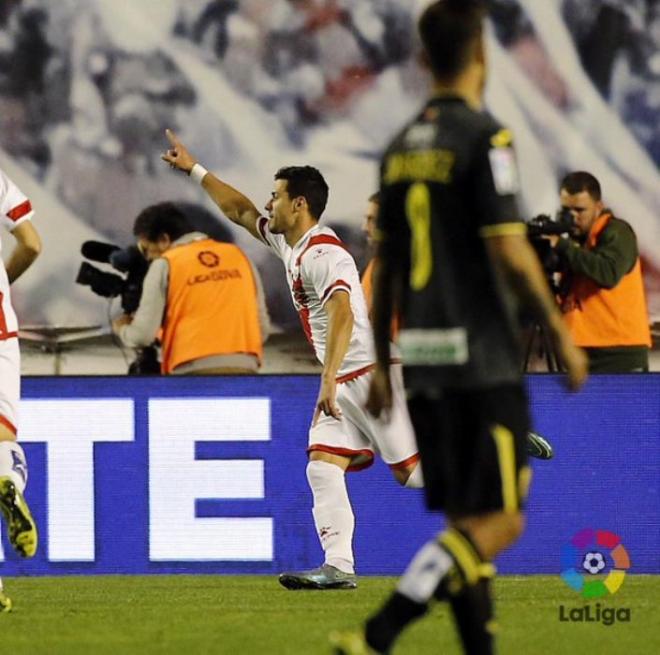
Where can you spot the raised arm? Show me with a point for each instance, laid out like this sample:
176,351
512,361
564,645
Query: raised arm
27,249
234,205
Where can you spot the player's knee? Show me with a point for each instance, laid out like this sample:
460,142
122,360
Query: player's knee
314,473
320,473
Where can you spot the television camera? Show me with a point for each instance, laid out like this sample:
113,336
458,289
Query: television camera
129,261
556,274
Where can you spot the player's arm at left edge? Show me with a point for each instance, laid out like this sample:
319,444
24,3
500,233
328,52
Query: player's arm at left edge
27,249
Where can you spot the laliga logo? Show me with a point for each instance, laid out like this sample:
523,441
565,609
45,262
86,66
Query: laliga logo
589,553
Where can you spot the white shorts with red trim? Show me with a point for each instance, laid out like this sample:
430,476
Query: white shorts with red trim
359,435
10,382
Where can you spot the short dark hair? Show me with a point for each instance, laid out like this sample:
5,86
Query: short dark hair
448,29
162,218
375,197
306,181
580,181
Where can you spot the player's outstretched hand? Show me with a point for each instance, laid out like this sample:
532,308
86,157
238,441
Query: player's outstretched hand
379,400
177,156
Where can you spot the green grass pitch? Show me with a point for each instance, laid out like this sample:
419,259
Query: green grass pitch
245,615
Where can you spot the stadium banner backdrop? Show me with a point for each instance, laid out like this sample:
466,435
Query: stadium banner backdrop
207,475
577,82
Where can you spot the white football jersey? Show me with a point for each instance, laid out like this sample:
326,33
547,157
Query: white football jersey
14,209
316,266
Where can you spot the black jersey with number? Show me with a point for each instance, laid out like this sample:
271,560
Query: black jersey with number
448,182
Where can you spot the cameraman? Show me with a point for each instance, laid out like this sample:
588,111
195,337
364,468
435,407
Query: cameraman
604,306
202,296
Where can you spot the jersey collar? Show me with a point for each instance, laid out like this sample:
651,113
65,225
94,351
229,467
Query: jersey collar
303,239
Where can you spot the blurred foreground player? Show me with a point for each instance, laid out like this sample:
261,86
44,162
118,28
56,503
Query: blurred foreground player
452,256
15,215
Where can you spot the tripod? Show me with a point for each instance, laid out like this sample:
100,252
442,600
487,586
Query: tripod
539,338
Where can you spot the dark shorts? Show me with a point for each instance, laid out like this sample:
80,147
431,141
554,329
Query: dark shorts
472,445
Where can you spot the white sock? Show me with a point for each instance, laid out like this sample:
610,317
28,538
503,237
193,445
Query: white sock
423,575
416,478
13,464
333,515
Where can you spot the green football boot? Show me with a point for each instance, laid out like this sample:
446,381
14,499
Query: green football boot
21,527
5,602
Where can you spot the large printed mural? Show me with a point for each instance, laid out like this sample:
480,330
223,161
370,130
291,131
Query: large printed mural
87,88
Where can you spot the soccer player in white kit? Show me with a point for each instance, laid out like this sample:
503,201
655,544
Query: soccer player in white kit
326,292
15,215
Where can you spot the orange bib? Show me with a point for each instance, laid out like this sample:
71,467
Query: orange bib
606,318
211,304
367,287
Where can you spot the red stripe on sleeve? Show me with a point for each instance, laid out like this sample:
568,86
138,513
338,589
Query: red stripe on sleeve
19,211
338,283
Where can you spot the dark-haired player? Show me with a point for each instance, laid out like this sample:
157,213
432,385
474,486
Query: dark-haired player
326,292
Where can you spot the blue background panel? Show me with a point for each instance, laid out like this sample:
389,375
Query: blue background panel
606,475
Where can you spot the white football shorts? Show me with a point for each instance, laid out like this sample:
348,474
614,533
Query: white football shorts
359,435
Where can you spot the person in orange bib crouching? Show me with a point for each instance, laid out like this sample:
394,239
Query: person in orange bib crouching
605,305
203,299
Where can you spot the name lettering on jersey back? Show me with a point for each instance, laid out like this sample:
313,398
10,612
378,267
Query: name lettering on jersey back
215,276
423,165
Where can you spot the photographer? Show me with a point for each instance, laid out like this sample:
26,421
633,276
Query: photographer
604,305
203,296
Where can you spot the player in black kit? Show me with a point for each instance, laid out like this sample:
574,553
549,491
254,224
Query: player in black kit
453,259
